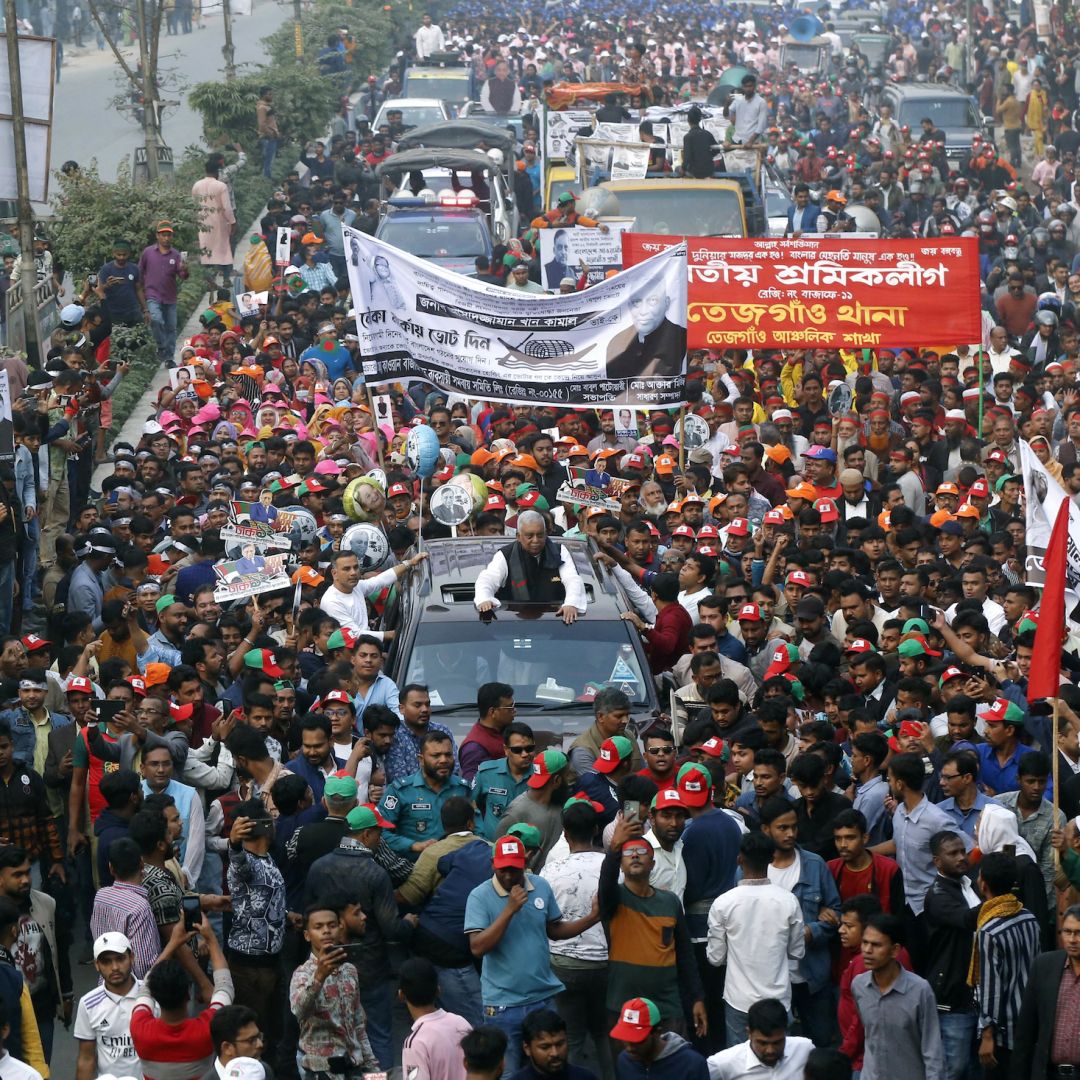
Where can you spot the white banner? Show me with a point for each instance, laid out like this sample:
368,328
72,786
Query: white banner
623,341
563,252
1042,497
560,131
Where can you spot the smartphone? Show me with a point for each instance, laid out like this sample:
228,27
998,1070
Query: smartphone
192,912
354,953
261,828
631,811
107,710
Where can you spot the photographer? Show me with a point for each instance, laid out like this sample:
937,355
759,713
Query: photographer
258,915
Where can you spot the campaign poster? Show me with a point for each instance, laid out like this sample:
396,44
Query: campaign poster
565,252
249,575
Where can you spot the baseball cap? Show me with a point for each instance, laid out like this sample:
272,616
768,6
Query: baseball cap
179,713
911,648
665,464
749,613
581,799
694,785
785,655
683,530
911,729
156,674
509,851
802,491
613,751
111,942
827,509
860,645
714,747
528,834
245,1068
78,684
366,817
164,602
979,489
669,797
1003,711
637,1018
342,639
545,766
820,453
32,642
263,660
307,575
340,785
739,527
799,577
951,673
809,607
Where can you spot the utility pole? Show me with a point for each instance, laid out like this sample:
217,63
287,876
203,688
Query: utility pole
298,31
227,49
149,93
28,276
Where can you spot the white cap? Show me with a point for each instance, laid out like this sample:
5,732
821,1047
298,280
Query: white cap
245,1068
111,942
955,414
152,427
782,414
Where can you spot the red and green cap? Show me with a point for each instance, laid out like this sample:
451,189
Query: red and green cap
637,1018
951,673
784,656
911,648
342,639
917,626
546,765
1028,621
714,748
366,817
340,786
528,834
1004,711
613,752
580,799
694,784
263,660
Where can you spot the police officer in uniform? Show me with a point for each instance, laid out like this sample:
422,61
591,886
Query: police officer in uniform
413,805
499,782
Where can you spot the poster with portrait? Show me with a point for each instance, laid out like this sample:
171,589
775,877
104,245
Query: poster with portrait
564,252
282,246
249,575
7,428
384,409
249,304
620,342
260,523
183,378
626,423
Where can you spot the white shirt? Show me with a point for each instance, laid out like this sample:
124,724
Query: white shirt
574,879
739,1061
105,1018
669,870
690,602
759,963
492,578
429,39
14,1069
350,609
993,611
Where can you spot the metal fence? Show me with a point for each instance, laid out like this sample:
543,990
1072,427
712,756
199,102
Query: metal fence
48,316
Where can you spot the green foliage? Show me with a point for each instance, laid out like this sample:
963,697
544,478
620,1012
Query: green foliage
91,214
373,27
227,109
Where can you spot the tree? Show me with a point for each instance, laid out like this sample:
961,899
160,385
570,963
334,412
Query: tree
91,214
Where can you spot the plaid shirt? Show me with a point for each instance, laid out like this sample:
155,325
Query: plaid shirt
25,819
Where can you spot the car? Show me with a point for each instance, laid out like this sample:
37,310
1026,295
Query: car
473,110
777,202
450,234
954,112
451,84
415,112
554,669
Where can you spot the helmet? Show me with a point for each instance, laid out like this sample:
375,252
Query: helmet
1040,237
1045,318
1049,301
496,155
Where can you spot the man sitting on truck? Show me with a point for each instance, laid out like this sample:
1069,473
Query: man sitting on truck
565,214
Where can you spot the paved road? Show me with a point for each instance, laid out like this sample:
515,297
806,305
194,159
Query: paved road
82,133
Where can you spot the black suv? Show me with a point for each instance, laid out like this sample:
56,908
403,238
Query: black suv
554,669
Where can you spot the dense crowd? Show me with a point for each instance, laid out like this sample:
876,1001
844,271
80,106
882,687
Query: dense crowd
832,850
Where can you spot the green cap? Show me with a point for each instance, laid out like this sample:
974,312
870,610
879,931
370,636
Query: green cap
342,787
529,835
164,602
916,626
911,648
364,817
797,691
1003,480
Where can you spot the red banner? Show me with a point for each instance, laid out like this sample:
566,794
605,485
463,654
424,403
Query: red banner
819,292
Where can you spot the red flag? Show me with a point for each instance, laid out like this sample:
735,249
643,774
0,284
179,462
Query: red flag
1044,678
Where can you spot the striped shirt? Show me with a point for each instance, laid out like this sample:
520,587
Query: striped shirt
1007,948
125,909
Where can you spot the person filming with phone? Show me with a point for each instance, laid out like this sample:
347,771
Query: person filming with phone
257,930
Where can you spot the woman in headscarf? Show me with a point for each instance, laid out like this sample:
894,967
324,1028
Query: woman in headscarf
1041,448
996,830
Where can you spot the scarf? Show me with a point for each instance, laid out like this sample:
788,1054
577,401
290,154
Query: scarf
1000,907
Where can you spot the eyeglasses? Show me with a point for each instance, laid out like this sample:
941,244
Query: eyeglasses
949,776
336,713
660,750
511,706
258,1037
531,749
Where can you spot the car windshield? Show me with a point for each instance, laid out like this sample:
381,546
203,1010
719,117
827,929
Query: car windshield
875,49
413,115
682,212
452,88
804,57
949,112
434,238
547,663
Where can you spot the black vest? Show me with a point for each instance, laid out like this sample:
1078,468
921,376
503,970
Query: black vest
532,580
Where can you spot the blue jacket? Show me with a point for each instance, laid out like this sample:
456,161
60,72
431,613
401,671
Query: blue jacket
815,889
813,212
677,1060
23,734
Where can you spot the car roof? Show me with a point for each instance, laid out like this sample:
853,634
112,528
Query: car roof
435,210
454,564
413,102
929,90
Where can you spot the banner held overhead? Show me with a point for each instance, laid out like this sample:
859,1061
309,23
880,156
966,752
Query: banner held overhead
620,342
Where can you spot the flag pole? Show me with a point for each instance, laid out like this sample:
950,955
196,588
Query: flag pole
1054,775
376,430
982,391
